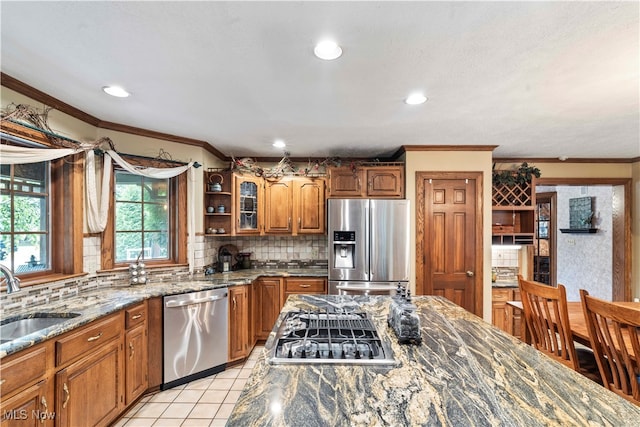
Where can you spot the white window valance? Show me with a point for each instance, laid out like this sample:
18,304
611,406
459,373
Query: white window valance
15,155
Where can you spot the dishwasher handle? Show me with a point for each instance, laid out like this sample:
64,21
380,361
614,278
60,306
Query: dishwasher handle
182,303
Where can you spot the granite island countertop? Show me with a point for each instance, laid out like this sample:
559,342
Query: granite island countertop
96,303
465,373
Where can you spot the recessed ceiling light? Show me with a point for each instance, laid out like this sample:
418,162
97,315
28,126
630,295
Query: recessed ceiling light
116,91
328,50
415,99
278,143
563,158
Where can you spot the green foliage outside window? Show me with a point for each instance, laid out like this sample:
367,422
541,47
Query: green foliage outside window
24,222
141,218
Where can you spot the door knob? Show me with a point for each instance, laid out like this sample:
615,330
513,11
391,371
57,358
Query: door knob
470,273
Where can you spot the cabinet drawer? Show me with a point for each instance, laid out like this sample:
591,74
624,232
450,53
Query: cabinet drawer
24,369
91,336
305,285
135,315
501,295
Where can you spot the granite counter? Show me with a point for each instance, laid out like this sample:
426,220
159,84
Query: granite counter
97,303
465,373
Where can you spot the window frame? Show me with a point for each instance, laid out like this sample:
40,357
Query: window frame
177,222
66,208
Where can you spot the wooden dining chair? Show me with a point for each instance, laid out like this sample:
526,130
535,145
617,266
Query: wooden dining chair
547,320
614,330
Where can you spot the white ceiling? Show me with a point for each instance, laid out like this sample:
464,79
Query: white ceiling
538,79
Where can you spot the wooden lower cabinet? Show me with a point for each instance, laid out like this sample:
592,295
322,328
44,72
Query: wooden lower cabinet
90,392
27,393
503,316
136,378
303,285
268,305
136,348
30,408
239,317
154,342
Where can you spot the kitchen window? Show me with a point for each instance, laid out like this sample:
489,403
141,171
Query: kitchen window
148,219
41,216
24,217
141,218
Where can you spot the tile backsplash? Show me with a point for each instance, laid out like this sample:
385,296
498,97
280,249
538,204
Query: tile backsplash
504,257
270,248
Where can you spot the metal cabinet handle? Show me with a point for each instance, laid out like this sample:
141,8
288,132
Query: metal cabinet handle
234,303
305,286
299,221
131,350
470,273
178,303
95,337
2,381
66,395
43,402
136,317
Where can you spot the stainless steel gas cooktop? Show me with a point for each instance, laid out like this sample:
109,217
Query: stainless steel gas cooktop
315,337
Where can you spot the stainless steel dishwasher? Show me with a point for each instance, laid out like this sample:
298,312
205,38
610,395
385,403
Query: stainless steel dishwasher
195,336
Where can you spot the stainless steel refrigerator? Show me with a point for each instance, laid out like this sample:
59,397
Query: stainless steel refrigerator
368,245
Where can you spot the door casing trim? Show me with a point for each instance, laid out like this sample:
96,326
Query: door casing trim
421,177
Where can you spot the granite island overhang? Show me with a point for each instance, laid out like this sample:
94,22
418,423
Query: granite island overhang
464,373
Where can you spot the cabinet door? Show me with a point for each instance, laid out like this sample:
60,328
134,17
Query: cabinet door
268,309
345,182
248,205
136,362
278,206
90,391
238,322
385,181
309,206
29,408
499,308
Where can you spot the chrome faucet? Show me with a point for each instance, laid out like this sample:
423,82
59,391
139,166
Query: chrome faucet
13,283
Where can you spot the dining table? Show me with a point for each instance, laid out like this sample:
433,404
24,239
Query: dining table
577,321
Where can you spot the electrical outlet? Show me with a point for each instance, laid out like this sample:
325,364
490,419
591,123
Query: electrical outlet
314,253
571,242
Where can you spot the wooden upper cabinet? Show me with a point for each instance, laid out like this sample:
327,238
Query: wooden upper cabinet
278,206
385,181
248,200
294,205
367,181
309,206
345,182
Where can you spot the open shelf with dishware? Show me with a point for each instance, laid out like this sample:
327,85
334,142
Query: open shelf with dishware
218,206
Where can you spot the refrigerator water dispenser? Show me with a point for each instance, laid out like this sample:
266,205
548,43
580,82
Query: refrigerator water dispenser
344,248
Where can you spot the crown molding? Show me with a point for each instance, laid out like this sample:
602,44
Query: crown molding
48,100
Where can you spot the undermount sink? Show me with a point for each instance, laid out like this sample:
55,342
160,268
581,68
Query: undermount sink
20,326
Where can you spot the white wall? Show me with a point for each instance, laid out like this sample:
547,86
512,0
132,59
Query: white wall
585,260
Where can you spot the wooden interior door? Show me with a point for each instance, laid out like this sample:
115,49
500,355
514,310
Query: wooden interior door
449,231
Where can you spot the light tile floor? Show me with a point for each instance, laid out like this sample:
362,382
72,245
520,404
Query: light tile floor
203,403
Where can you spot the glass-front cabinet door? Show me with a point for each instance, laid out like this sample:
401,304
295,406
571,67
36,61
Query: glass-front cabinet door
248,204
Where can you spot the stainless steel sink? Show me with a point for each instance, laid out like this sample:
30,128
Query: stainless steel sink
20,326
